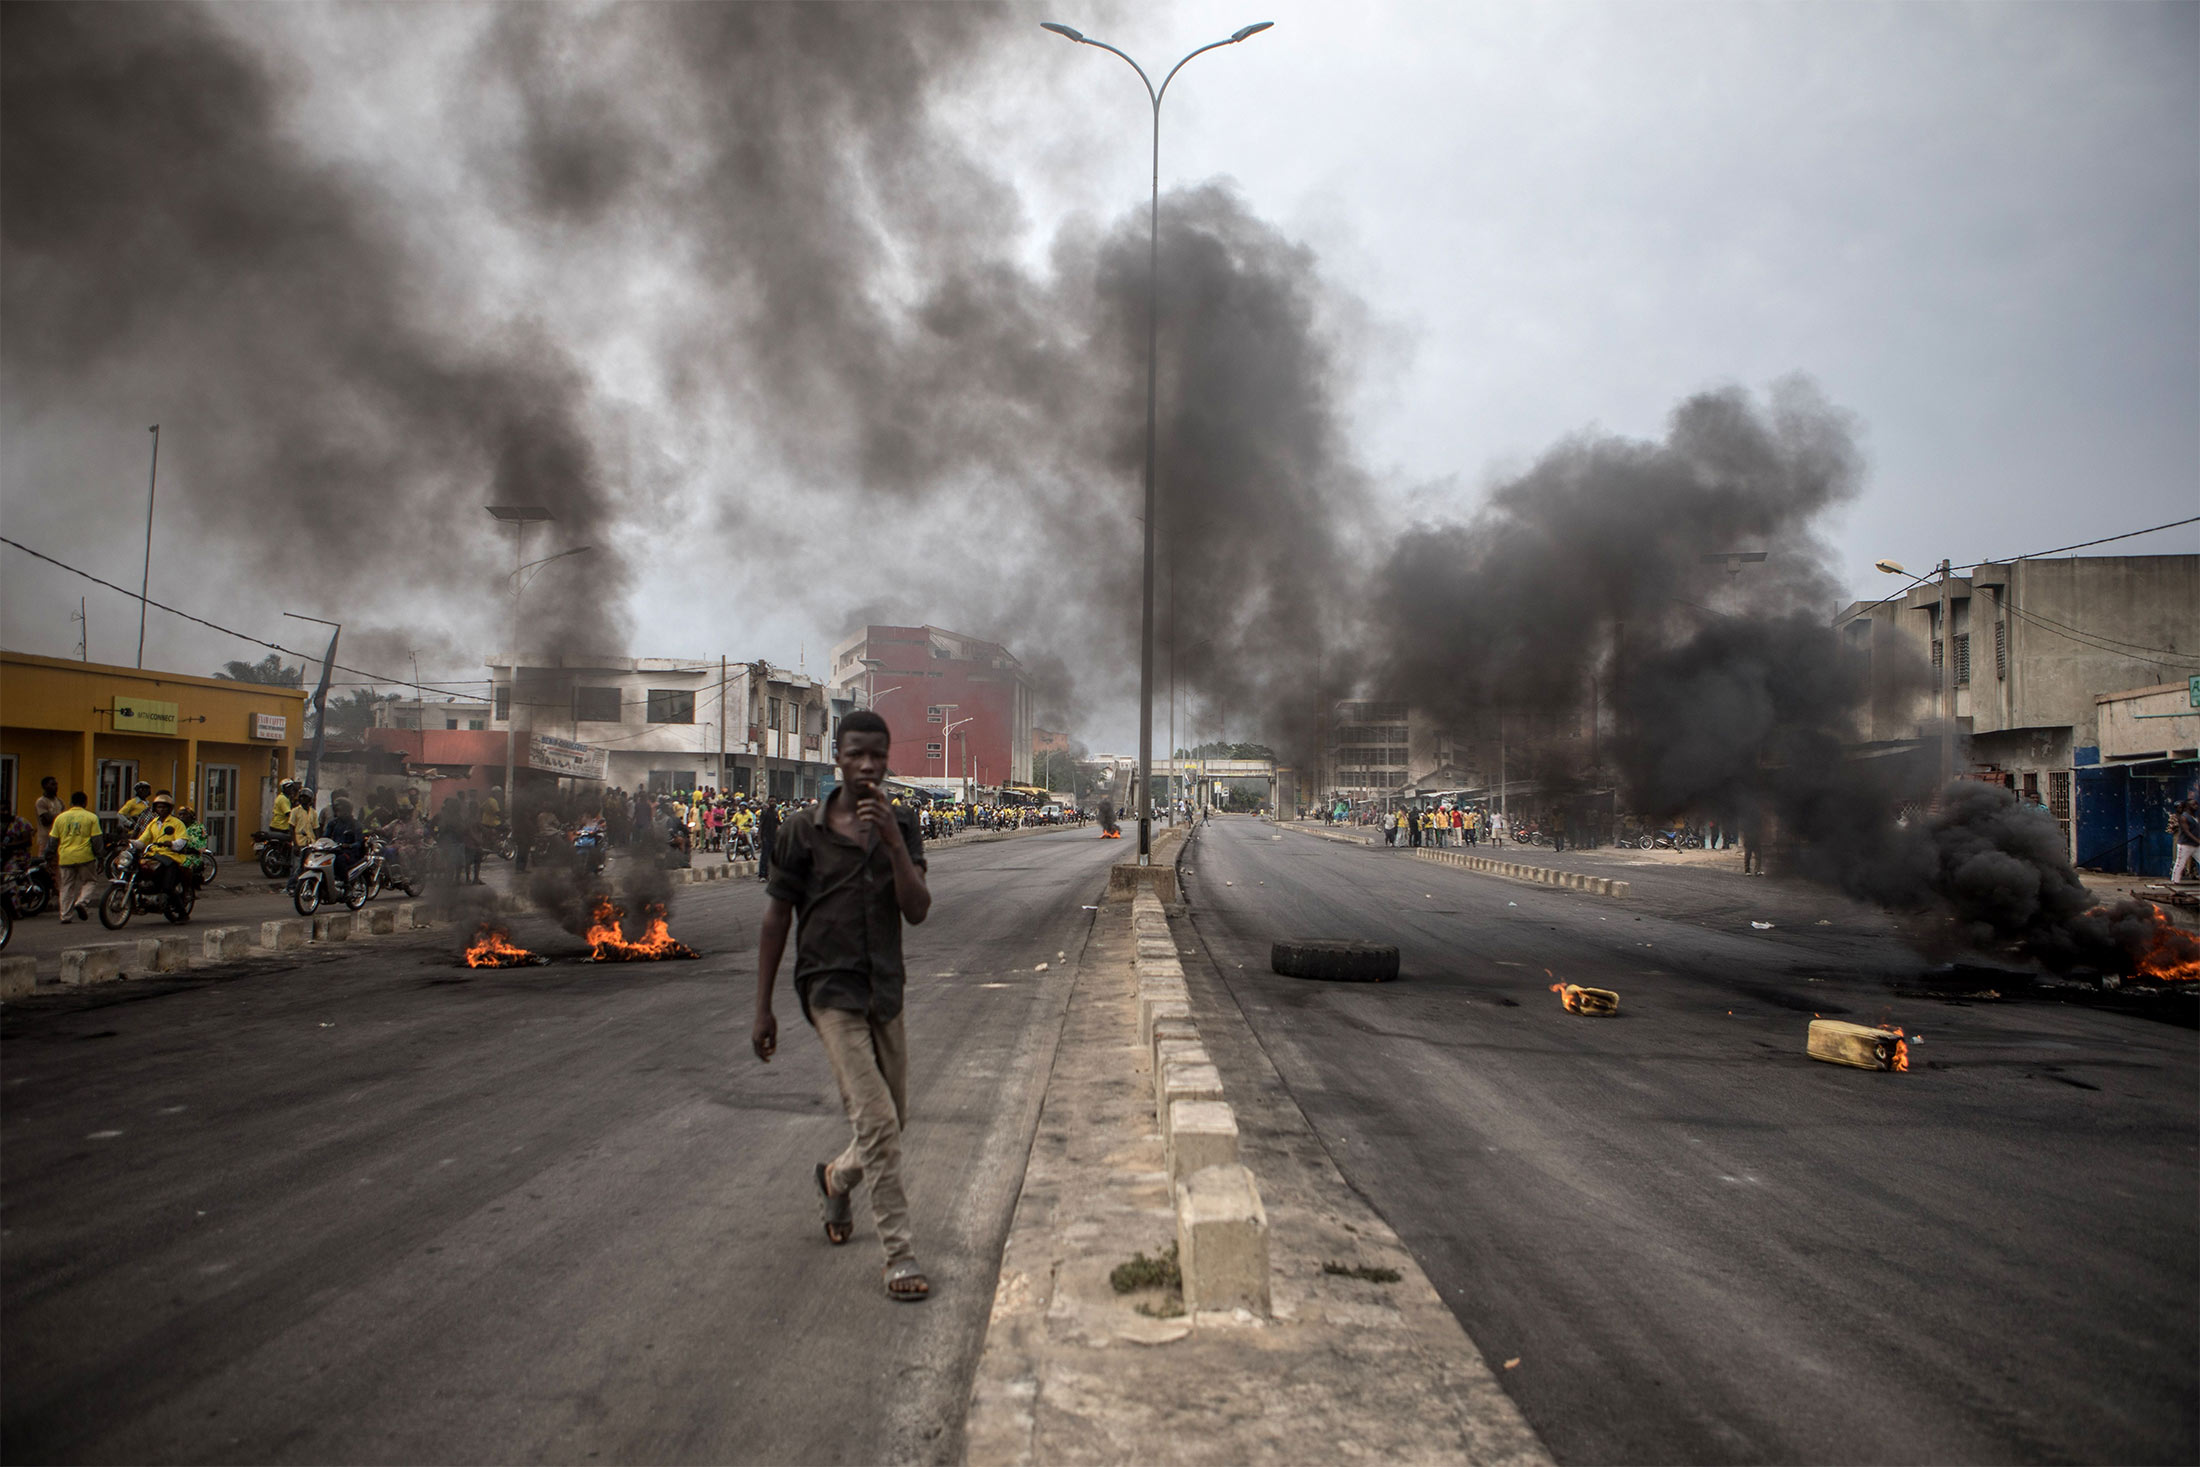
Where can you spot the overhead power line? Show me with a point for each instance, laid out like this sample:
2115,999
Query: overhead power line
397,682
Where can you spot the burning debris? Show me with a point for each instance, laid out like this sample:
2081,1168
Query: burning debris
1595,1002
607,944
1859,1046
493,947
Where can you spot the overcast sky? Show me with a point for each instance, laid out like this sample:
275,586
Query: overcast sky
1976,227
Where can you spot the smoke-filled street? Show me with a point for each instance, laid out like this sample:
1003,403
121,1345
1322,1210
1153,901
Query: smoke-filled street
1698,1245
370,1207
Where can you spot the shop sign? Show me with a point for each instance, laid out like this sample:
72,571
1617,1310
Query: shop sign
274,726
567,759
144,715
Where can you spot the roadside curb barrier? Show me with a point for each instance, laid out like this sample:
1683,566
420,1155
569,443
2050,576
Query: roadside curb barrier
1517,871
1221,1227
176,953
18,976
81,966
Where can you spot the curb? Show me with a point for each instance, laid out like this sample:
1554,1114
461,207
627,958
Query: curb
1540,875
142,957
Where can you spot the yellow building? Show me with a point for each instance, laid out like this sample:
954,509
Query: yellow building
219,746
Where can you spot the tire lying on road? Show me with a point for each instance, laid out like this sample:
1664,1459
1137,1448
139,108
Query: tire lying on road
1338,962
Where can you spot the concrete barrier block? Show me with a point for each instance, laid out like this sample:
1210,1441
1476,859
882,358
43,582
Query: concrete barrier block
220,944
1160,880
163,954
85,965
18,976
1152,1010
408,916
285,933
1169,1052
1222,1240
1621,888
332,927
380,921
1202,1133
1181,1081
1165,1030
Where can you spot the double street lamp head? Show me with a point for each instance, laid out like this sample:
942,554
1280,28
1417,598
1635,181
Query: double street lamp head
1073,34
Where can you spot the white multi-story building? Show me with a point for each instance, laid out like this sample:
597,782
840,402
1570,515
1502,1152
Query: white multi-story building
668,723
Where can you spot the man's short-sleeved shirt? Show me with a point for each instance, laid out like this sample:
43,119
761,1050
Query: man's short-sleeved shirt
847,950
72,831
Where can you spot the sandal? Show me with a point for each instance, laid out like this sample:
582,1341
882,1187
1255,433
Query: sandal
839,1215
906,1283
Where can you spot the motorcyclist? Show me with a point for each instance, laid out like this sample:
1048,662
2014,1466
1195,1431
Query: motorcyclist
351,841
134,810
167,840
17,837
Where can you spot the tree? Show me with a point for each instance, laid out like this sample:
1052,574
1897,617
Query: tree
350,717
268,671
1232,751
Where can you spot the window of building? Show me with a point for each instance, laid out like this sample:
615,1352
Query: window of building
671,705
2058,793
477,724
7,790
1963,659
2001,649
1936,654
772,714
596,705
504,704
449,722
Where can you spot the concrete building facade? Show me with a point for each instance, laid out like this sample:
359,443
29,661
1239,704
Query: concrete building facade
955,705
2030,646
662,722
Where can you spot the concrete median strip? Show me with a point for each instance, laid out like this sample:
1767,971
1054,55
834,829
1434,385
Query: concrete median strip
1519,871
1095,1353
82,966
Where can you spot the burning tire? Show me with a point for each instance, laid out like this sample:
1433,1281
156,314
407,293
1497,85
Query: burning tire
1334,961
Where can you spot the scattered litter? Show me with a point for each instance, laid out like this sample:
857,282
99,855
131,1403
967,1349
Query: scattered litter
103,1135
1090,907
1510,1364
1059,955
1367,1272
1229,883
1762,926
1824,922
328,1026
1512,904
1040,969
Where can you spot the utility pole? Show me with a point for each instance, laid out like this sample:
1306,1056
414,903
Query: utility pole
721,725
1947,682
84,632
145,579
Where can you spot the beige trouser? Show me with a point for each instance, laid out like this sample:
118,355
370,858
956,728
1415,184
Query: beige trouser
76,886
871,1063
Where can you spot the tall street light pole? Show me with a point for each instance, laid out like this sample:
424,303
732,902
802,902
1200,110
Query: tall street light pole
519,517
1944,700
1153,349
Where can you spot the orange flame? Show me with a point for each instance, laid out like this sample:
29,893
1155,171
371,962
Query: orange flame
608,944
493,948
2172,955
1579,1000
1900,1059
1111,835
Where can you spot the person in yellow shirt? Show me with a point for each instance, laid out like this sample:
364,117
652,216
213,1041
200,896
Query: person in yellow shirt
77,841
278,819
133,811
301,821
165,838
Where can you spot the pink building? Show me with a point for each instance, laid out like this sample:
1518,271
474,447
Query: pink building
958,706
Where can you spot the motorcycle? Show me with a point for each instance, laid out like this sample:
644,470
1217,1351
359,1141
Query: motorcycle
590,848
29,889
316,880
1676,839
274,852
393,874
134,889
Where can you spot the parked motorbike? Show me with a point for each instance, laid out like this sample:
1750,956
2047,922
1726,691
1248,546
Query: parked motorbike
29,889
1674,840
395,874
369,874
134,888
274,852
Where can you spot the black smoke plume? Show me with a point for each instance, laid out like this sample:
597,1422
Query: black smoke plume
172,252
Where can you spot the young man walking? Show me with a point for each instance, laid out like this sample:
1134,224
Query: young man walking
77,846
852,870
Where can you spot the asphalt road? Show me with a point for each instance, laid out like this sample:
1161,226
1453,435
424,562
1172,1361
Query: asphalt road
373,1208
1698,1245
